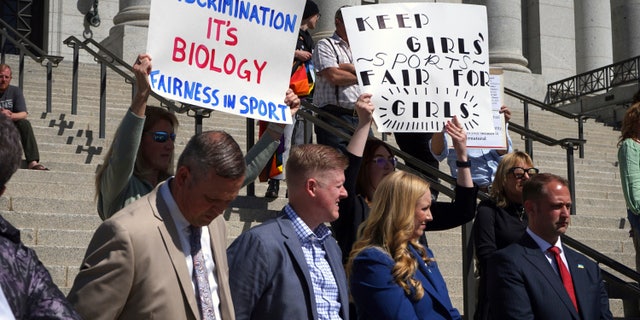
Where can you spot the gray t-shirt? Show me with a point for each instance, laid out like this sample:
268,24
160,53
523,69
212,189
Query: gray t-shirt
13,99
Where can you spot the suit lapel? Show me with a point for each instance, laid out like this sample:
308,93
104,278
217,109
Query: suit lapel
171,240
431,285
539,261
580,278
335,262
295,248
217,236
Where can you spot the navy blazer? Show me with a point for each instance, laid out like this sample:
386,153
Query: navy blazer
522,284
378,296
269,276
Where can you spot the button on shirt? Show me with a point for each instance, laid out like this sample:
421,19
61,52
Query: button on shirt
205,241
325,288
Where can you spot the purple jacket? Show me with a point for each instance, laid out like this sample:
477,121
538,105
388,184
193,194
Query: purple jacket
25,281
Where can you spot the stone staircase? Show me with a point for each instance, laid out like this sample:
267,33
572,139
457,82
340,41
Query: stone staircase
56,211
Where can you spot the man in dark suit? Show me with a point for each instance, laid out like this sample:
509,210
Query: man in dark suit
140,262
290,267
526,278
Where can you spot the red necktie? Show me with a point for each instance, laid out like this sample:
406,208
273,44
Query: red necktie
564,275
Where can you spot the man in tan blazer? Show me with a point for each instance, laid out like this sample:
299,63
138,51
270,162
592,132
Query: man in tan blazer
138,264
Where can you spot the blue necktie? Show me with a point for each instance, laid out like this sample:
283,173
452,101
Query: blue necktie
203,293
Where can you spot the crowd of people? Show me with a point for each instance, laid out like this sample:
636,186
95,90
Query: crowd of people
350,243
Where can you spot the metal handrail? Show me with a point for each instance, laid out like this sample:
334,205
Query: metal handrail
107,59
580,118
18,40
630,289
604,78
569,144
7,33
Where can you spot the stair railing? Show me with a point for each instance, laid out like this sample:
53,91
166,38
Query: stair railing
107,59
600,79
526,101
616,287
27,49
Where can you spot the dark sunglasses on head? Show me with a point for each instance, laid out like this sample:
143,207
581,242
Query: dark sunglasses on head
382,161
519,172
162,136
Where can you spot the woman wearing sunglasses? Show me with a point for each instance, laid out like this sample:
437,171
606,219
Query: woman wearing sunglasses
500,220
370,161
142,151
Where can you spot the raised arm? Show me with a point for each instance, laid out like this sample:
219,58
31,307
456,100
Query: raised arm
141,69
258,156
364,108
459,137
352,208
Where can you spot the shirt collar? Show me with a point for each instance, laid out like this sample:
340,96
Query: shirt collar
543,244
177,216
302,230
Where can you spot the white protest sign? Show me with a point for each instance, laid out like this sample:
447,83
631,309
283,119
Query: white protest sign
424,63
498,138
230,56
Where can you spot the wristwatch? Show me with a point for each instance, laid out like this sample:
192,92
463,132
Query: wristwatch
463,164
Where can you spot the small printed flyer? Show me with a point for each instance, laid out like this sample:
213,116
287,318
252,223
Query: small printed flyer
229,56
424,63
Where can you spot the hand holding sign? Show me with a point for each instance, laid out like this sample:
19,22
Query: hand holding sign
232,56
424,66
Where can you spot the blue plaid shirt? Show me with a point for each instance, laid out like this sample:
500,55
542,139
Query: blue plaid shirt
325,288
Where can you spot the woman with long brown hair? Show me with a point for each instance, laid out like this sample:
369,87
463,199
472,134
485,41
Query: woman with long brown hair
629,164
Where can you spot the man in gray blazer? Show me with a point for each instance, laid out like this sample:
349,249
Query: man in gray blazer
139,263
290,267
526,280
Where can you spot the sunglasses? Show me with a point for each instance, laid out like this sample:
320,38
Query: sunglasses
519,172
162,136
382,161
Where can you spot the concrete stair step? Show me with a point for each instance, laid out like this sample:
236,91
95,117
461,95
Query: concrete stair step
25,203
60,221
54,190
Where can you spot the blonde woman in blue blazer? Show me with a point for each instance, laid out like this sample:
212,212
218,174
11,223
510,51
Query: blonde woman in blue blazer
392,276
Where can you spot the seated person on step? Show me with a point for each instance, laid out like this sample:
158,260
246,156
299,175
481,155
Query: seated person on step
13,106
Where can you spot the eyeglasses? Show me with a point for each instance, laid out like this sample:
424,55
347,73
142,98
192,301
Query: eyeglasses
382,161
162,136
519,172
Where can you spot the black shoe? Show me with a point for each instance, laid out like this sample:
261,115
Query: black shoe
272,190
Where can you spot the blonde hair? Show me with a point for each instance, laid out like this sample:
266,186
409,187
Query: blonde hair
498,192
391,226
152,116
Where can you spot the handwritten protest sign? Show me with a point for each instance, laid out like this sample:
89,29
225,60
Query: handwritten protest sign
424,63
231,56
